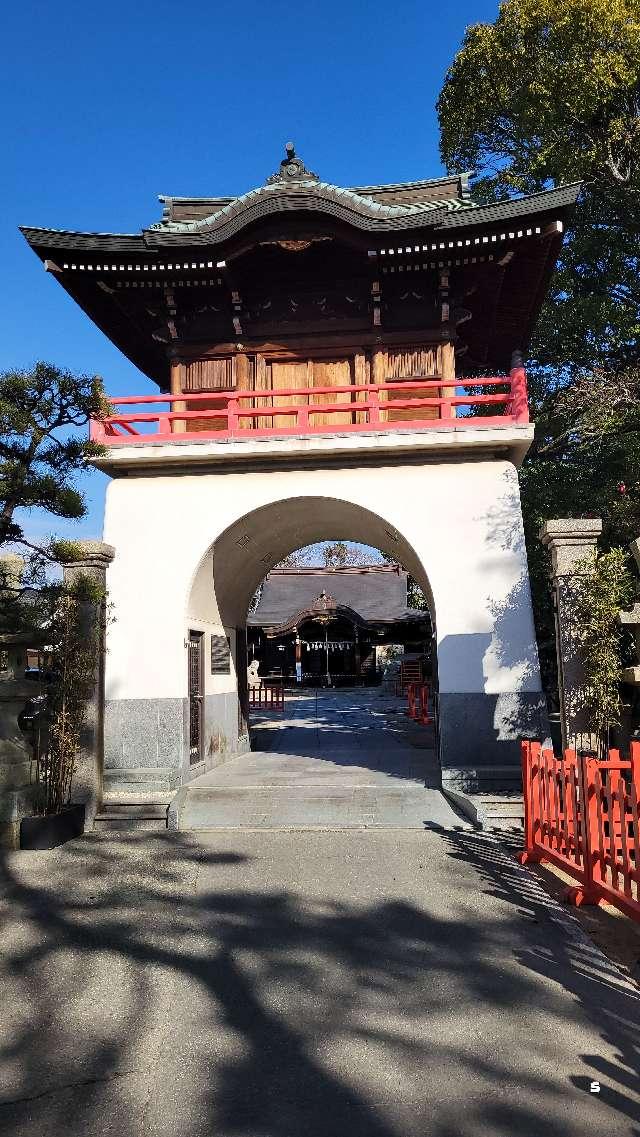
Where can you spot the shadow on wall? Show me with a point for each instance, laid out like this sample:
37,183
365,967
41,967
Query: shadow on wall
157,986
480,727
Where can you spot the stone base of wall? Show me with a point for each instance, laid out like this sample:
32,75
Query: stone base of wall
480,737
154,734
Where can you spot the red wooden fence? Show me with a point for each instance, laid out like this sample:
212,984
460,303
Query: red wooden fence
235,417
418,703
581,814
270,696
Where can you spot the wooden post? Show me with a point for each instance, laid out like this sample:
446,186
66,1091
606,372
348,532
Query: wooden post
449,373
379,375
241,370
177,369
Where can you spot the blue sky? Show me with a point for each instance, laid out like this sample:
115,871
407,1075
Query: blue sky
106,106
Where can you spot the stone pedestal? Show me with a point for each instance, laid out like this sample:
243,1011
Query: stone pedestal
15,761
570,541
87,782
15,750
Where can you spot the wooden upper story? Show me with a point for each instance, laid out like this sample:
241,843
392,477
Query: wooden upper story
300,286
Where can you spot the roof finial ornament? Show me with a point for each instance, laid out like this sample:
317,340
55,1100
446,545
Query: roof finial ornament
292,169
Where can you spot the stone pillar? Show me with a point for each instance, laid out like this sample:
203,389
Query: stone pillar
570,541
15,751
87,781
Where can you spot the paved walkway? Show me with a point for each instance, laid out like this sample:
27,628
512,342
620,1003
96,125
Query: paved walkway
337,759
269,984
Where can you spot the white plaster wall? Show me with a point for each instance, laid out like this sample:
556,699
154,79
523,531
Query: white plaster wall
457,528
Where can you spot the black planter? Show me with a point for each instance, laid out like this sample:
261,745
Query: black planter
49,832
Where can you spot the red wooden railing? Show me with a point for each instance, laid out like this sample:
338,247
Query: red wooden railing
581,814
418,703
269,696
369,406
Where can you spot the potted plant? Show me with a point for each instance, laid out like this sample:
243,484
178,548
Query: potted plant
55,717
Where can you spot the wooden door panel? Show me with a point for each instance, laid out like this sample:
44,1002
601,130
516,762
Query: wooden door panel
291,374
333,373
408,364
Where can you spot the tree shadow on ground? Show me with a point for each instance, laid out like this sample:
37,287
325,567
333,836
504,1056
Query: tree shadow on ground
154,985
595,983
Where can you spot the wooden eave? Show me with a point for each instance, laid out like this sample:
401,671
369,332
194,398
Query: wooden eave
101,271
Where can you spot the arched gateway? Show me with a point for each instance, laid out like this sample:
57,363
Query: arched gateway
304,338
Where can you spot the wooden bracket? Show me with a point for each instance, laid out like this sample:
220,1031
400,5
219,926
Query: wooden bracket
376,297
237,312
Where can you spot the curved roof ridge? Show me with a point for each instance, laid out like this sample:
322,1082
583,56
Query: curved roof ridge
303,188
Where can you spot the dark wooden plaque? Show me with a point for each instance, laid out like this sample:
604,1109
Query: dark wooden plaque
220,655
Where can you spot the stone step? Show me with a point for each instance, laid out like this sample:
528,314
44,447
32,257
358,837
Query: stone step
503,813
503,806
137,809
341,806
107,824
143,779
141,796
132,815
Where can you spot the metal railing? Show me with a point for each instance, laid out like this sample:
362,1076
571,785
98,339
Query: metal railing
368,407
581,814
268,696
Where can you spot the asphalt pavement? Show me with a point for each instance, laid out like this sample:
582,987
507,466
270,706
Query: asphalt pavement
357,983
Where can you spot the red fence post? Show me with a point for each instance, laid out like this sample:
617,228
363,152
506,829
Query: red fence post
634,757
586,893
232,415
531,754
425,717
520,402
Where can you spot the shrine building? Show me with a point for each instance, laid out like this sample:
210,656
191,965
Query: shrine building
330,627
332,364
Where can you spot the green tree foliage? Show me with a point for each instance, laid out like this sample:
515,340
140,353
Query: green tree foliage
40,457
605,588
550,93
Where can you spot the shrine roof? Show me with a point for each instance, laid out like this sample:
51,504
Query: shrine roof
502,255
433,203
376,593
345,205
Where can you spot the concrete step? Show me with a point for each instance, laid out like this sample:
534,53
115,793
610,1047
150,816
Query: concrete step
143,779
503,806
107,824
132,815
503,813
322,806
141,796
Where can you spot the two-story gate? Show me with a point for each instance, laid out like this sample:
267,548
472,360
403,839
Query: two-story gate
310,344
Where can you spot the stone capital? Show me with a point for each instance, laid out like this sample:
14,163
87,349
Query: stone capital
94,554
569,540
